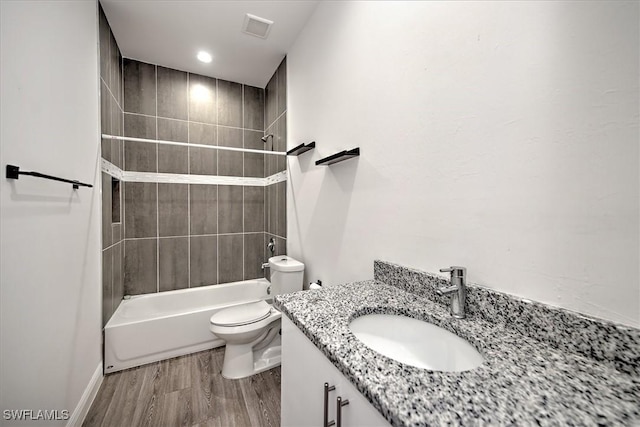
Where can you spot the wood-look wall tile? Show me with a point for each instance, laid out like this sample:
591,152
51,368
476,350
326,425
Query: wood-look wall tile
172,158
118,284
105,113
116,230
173,209
105,45
254,162
230,209
115,73
140,213
204,261
272,201
230,162
203,161
281,76
117,129
174,263
271,101
141,266
280,143
229,103
253,255
139,87
107,285
172,93
230,260
140,156
203,200
253,108
202,99
253,209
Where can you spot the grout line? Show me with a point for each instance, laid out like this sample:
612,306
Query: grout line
188,192
243,195
157,194
111,93
193,121
113,245
217,189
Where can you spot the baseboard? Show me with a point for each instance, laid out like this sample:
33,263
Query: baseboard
78,415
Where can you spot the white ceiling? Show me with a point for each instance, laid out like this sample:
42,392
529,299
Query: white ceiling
171,32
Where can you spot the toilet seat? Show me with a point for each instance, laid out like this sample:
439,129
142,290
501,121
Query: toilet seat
243,314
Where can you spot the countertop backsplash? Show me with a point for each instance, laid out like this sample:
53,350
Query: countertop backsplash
615,345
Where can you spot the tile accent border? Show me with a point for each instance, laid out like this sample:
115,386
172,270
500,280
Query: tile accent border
601,340
174,178
111,169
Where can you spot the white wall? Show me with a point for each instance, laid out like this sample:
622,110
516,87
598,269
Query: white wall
50,284
499,136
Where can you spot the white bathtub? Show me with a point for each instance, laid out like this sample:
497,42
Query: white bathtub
148,328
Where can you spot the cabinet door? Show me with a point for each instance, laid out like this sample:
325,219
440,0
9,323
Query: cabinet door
359,412
303,374
304,371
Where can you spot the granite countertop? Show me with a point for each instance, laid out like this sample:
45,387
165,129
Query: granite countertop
522,381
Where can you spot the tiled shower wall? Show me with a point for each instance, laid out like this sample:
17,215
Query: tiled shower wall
180,235
276,124
111,121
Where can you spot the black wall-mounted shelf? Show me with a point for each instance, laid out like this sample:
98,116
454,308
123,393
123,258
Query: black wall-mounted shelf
338,157
302,148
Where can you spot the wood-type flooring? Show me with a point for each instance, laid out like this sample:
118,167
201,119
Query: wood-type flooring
186,391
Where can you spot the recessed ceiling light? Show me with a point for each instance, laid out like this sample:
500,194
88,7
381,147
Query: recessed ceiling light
204,56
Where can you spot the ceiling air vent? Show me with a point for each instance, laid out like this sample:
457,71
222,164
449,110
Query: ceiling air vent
256,26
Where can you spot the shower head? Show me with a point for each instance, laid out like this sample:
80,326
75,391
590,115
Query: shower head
266,138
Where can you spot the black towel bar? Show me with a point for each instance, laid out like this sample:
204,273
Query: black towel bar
14,172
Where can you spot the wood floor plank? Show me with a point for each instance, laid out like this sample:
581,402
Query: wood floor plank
153,385
227,400
175,409
100,405
201,386
262,398
186,391
124,401
211,422
179,373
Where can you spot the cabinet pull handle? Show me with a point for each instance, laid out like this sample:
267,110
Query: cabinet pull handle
340,404
327,389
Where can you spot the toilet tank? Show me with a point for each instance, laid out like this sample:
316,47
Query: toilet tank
286,274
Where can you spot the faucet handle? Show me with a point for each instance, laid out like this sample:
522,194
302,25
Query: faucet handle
455,270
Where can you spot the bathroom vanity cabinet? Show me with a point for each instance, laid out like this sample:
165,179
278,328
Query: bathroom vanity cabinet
305,370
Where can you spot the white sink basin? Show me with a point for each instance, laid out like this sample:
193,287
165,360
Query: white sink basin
415,342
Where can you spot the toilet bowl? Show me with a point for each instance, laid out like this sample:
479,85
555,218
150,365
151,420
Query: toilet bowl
252,331
247,328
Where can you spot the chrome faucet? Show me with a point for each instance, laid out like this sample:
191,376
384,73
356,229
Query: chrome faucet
458,289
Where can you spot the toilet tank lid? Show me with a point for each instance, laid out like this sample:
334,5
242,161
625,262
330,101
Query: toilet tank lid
285,263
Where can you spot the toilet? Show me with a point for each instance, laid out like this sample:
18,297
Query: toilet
252,330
